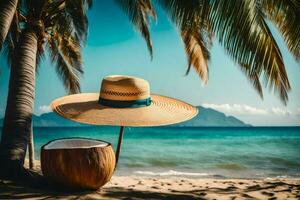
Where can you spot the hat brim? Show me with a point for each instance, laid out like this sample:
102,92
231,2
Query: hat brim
84,108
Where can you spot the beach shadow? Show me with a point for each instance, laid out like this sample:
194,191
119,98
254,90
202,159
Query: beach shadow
22,190
41,189
273,185
13,190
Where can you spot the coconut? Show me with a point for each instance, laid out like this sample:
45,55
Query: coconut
78,162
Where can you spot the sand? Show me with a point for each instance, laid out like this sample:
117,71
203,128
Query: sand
133,187
140,187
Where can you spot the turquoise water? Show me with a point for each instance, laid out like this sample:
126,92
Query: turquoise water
196,152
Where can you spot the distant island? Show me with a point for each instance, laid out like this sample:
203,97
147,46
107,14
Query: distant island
207,117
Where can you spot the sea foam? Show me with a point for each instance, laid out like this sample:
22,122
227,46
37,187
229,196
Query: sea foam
171,173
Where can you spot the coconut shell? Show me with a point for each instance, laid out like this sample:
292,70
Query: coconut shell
78,162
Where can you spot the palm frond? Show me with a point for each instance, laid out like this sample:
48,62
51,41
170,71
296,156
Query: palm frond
89,3
139,12
246,37
285,14
77,10
35,8
68,16
65,53
7,13
253,78
197,52
67,25
52,10
40,54
191,18
192,13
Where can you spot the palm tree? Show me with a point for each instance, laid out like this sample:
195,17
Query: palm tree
61,27
239,26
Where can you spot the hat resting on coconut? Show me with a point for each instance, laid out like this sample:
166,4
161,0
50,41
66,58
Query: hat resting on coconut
123,101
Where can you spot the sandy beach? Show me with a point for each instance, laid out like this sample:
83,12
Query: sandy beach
184,188
133,187
142,187
149,99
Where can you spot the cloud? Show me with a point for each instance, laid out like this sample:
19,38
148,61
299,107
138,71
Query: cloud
238,109
279,111
44,109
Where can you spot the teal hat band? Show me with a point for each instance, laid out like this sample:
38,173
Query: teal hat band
125,104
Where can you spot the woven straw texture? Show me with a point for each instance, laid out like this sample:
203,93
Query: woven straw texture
84,108
126,88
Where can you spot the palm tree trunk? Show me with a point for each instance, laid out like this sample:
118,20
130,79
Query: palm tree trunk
7,12
119,145
19,108
31,149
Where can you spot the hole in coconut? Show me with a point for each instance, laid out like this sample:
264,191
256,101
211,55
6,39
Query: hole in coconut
75,143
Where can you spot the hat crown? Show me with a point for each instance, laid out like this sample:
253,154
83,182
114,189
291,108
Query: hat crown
124,88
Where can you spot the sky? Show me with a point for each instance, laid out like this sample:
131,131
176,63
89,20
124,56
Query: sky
115,47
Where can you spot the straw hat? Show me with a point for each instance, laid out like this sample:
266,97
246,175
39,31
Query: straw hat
123,101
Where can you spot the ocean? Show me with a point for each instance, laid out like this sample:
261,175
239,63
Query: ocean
248,152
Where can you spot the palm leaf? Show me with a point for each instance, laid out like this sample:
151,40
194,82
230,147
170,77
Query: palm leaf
197,52
40,54
242,31
139,12
67,26
68,16
191,18
65,53
77,12
253,78
285,14
193,13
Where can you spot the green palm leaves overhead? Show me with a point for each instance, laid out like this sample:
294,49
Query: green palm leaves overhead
61,26
285,14
27,28
243,32
139,12
66,25
241,28
191,18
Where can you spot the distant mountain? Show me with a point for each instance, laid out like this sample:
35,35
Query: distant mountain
207,117
50,120
53,120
